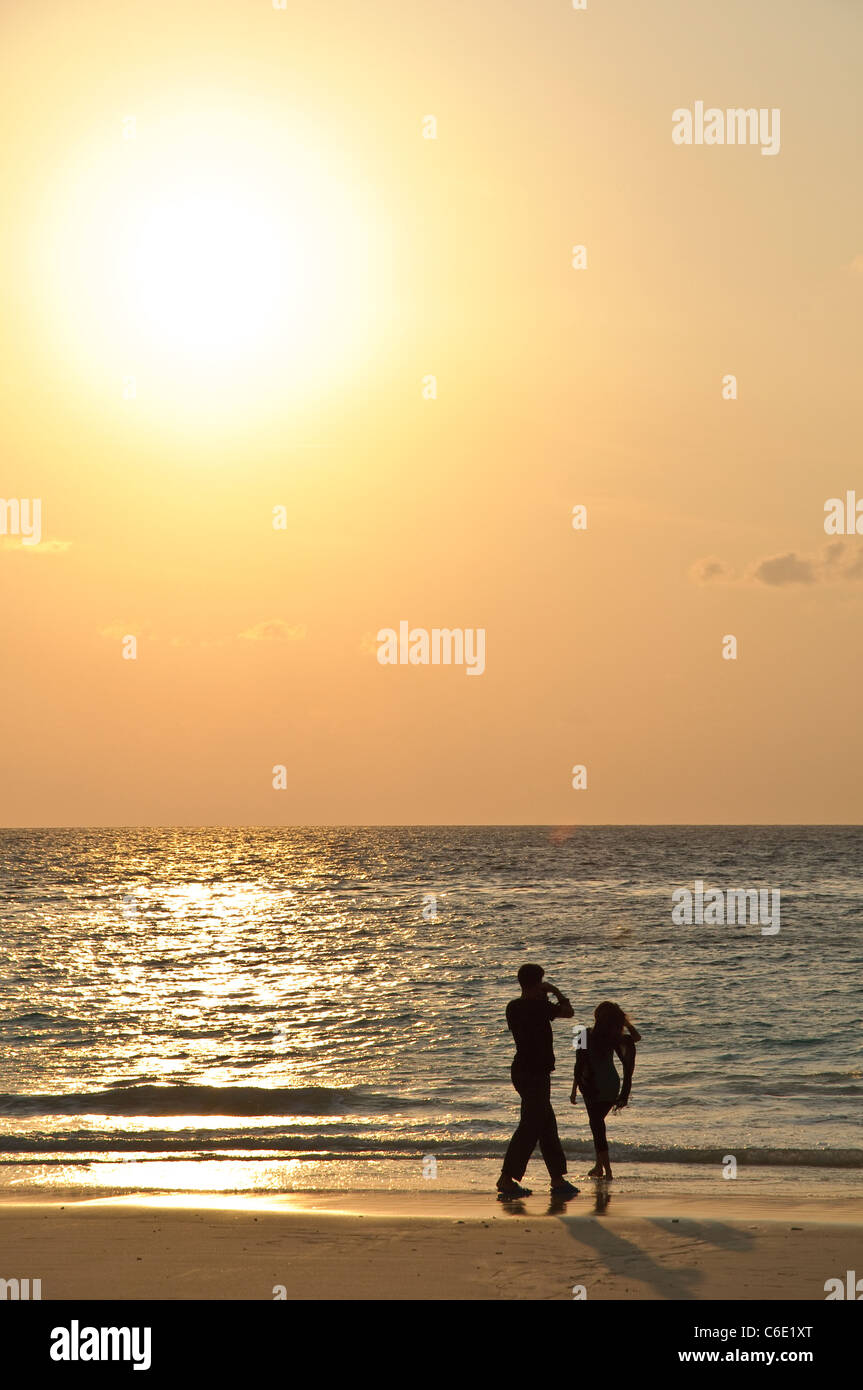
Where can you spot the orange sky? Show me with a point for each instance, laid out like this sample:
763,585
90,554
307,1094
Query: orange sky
391,257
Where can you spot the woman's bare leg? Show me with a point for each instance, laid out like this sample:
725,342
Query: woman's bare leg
603,1166
597,1114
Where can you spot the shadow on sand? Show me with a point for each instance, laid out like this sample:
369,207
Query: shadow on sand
624,1258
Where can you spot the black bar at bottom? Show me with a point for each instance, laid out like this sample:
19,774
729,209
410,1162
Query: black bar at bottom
245,1339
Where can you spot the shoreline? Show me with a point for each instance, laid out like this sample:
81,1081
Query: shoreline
595,1198
278,1176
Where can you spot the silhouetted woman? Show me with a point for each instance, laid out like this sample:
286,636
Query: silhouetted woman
596,1075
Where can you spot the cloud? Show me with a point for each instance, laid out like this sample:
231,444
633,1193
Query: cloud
838,562
117,632
843,560
853,569
273,630
856,266
784,569
711,571
43,548
270,630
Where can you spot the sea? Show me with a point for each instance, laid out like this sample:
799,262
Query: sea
323,1009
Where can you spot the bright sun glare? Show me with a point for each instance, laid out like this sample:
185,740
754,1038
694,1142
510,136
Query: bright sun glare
208,273
210,254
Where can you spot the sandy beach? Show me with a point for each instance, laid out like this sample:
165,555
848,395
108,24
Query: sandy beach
404,1246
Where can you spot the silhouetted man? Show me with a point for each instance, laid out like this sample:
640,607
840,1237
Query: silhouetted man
529,1019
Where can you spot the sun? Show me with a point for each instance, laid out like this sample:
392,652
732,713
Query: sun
207,271
210,257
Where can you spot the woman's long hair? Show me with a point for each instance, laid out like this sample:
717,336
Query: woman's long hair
609,1023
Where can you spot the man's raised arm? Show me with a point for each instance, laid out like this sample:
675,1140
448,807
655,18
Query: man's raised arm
562,1005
